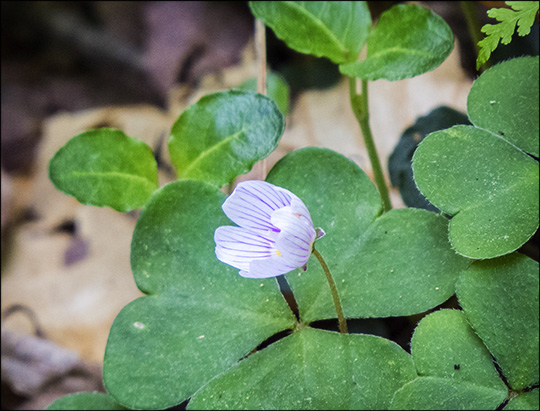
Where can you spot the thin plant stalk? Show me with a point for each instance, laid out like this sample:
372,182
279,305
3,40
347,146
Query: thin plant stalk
359,103
469,11
337,303
260,51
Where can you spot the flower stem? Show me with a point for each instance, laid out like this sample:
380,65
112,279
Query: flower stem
359,104
341,318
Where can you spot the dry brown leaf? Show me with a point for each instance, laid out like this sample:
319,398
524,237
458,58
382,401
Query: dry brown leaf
37,372
77,282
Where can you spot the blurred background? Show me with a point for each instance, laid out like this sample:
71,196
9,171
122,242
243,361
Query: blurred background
67,67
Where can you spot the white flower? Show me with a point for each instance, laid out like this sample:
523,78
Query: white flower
276,233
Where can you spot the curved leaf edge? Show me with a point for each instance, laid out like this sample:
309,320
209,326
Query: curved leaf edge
126,209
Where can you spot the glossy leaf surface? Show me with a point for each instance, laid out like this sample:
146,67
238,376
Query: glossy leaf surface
407,41
336,30
104,167
222,135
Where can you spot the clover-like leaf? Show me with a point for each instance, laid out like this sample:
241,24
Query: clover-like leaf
312,369
86,401
104,167
223,135
455,370
396,264
333,29
487,185
200,317
407,41
500,299
524,401
435,393
511,115
400,162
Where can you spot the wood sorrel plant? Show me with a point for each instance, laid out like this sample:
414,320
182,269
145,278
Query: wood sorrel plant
194,336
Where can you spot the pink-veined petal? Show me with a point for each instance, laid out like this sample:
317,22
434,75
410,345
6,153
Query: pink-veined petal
286,219
238,247
268,267
252,203
293,250
299,207
295,240
276,233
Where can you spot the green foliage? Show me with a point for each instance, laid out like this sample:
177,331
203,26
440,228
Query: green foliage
315,370
387,265
522,14
524,401
505,316
204,333
223,135
336,30
512,116
451,170
200,317
408,41
276,88
399,163
86,401
104,167
482,179
455,370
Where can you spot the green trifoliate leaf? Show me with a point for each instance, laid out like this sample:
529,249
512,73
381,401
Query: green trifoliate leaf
86,401
200,317
500,299
223,135
104,167
504,100
487,185
524,401
396,264
400,162
435,393
336,30
522,14
455,370
312,369
276,88
408,41
444,345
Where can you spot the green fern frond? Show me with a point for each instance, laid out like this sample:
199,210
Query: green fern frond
522,14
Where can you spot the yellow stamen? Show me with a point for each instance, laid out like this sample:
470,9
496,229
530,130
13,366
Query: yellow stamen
278,253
